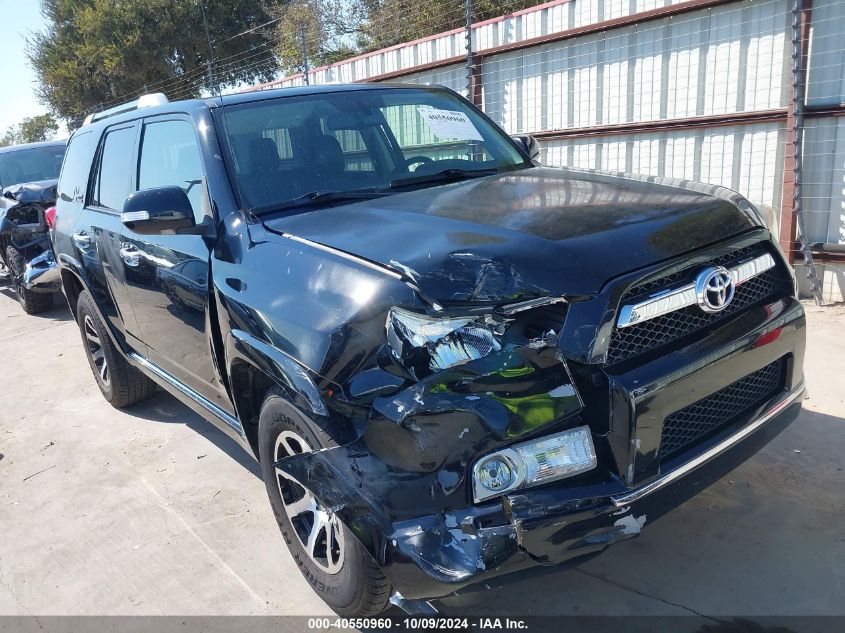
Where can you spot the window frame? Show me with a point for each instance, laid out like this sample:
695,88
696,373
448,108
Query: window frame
94,181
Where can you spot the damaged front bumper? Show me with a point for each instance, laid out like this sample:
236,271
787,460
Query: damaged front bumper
41,274
404,487
434,555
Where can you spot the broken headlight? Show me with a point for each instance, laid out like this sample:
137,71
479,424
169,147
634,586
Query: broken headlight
424,344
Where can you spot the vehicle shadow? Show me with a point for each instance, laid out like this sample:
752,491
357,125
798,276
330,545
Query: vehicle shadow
164,408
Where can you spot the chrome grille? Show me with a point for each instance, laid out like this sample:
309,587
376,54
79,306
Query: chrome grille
694,423
682,276
652,334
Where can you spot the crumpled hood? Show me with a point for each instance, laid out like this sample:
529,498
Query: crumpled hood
40,191
527,233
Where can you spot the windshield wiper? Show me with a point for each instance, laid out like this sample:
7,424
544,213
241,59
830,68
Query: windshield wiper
316,197
444,176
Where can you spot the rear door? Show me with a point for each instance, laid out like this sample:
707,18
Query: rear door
167,276
96,237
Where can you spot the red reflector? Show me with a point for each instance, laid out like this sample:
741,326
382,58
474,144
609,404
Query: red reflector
768,337
50,217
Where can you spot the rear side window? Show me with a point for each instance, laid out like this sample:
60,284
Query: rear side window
73,181
171,156
113,183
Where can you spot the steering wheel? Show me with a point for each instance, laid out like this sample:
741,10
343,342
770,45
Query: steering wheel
413,160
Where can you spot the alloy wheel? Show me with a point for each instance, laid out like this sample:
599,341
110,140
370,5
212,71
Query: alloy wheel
95,349
318,530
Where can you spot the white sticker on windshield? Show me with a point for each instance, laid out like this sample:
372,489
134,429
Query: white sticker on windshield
449,124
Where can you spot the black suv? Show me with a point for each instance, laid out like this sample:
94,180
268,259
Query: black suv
450,361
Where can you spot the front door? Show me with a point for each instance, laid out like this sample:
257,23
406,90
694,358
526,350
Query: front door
167,276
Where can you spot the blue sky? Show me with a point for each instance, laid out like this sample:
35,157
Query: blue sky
17,99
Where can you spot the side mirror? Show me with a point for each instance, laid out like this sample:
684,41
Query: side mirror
530,145
156,210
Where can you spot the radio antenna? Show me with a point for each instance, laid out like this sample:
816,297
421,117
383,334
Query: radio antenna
210,61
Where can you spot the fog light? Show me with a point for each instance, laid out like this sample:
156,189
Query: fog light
495,474
531,463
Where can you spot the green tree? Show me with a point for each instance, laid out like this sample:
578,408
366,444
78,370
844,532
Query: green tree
42,127
8,138
324,30
97,53
38,128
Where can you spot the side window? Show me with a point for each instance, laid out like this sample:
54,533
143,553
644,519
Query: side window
73,181
170,156
113,180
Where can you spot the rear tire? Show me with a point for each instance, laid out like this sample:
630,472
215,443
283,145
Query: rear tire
339,569
31,302
4,272
120,383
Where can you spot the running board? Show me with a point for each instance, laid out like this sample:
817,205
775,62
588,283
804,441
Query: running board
204,402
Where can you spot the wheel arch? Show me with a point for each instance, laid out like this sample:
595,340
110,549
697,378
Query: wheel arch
72,286
255,367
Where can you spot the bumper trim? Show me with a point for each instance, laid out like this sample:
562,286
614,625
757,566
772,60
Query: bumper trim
42,273
785,400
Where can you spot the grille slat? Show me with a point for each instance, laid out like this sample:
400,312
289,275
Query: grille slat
694,423
649,335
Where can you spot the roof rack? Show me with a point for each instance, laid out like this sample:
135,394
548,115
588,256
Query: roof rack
144,101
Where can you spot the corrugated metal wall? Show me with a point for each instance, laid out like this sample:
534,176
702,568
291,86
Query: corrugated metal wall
700,95
824,152
726,60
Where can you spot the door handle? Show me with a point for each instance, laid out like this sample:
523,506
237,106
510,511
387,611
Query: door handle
130,254
82,240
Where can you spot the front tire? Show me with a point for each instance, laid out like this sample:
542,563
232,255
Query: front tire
332,560
31,302
119,382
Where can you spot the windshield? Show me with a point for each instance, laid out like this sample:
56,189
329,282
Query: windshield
28,165
380,141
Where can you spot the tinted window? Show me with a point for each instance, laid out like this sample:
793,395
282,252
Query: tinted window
170,156
113,182
28,165
77,167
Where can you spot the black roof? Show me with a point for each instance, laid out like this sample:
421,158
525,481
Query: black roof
14,148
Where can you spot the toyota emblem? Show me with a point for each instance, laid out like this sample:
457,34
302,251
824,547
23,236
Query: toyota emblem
714,289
